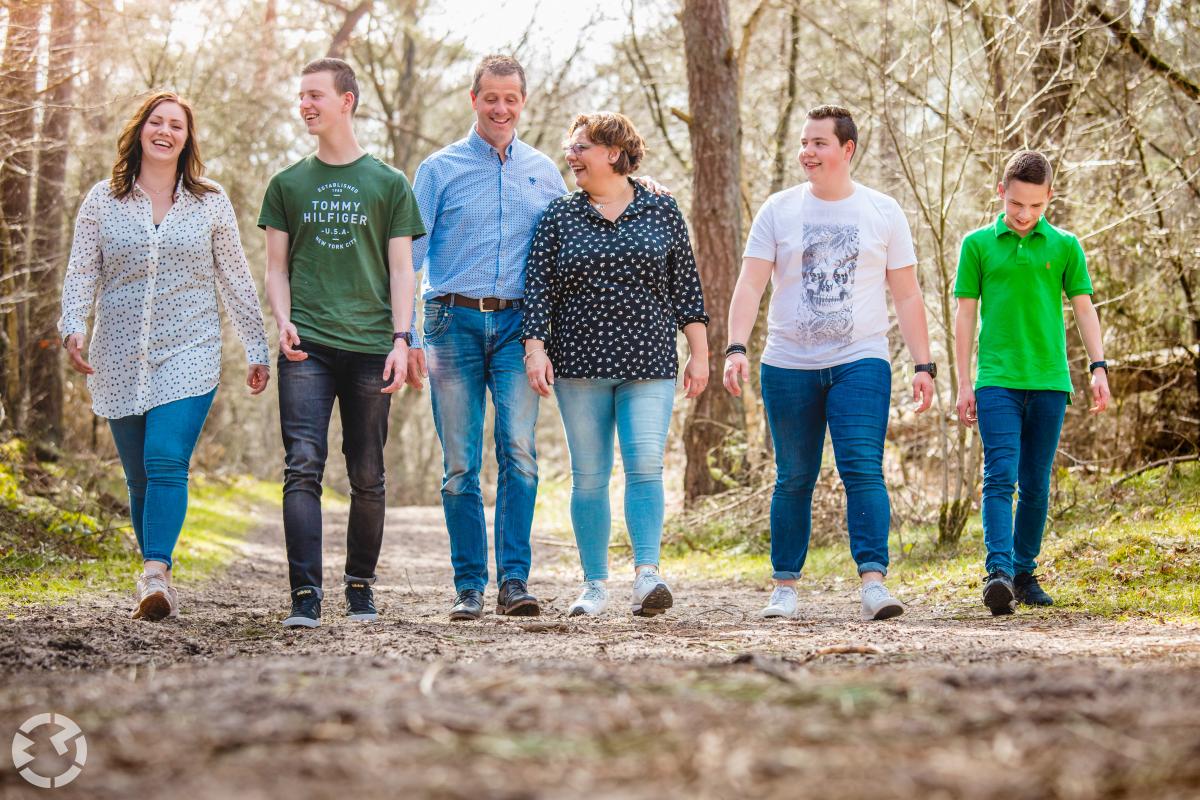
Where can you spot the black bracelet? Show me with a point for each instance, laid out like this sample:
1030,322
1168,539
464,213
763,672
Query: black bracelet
1095,365
736,347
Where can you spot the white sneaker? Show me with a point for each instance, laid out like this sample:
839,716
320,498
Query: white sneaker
878,604
651,595
154,597
173,596
782,604
592,600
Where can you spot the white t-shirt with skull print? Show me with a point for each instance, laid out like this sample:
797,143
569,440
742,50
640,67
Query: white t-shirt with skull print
828,305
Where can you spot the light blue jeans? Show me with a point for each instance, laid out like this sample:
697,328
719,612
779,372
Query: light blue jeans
156,452
639,411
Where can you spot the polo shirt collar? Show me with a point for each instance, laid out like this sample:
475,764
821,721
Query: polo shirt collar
1042,227
481,146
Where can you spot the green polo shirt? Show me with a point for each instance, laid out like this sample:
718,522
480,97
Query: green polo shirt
1019,283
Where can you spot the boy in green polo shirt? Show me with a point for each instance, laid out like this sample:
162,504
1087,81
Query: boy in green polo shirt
1013,274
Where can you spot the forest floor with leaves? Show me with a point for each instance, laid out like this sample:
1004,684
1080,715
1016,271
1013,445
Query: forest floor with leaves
705,701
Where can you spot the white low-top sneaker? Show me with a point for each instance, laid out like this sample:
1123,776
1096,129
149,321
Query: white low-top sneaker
154,599
877,603
651,595
782,604
593,599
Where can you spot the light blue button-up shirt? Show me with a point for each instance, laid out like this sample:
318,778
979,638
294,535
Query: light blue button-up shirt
480,215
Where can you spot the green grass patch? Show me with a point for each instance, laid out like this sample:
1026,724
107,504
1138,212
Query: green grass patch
64,530
1127,551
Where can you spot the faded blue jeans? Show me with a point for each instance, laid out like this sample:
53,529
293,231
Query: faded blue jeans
1019,429
639,413
156,452
470,353
852,400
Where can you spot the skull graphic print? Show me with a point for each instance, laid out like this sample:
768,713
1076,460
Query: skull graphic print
830,258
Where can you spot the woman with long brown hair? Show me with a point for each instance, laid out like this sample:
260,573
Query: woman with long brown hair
154,246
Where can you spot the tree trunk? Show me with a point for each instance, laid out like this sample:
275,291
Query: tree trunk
18,81
712,74
45,366
1054,71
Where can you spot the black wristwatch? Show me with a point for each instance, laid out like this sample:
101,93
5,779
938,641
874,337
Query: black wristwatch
1095,365
931,368
406,336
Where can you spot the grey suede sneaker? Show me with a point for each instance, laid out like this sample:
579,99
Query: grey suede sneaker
877,603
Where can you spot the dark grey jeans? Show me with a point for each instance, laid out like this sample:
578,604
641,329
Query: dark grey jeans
307,390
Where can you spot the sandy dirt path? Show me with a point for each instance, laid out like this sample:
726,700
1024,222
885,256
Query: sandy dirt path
706,701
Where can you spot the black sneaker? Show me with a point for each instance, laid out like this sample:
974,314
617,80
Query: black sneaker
306,608
468,605
515,600
360,604
1029,592
998,593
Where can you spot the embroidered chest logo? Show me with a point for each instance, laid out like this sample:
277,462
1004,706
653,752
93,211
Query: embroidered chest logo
338,213
532,180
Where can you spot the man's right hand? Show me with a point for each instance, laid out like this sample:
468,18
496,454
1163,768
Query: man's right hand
416,368
737,369
289,341
967,414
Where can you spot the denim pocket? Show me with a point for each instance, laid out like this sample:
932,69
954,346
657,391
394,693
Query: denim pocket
437,320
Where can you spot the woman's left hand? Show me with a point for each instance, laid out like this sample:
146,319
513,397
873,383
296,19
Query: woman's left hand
695,376
257,377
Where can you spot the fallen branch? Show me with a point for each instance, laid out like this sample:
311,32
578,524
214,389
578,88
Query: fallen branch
1162,462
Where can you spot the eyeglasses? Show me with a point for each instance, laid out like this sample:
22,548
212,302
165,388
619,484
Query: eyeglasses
576,149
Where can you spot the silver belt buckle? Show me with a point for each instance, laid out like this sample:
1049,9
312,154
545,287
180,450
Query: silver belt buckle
481,308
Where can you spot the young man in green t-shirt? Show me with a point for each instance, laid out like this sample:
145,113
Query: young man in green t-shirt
1012,275
340,225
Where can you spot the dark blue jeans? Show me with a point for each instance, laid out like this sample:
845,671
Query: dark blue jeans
852,400
307,390
470,353
156,451
1019,429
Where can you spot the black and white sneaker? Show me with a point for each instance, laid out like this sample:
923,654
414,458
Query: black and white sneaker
360,604
998,593
306,608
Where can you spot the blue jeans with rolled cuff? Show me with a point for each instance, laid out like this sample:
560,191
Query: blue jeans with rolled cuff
156,451
852,401
1019,429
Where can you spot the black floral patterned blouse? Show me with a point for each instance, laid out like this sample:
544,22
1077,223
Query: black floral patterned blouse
607,297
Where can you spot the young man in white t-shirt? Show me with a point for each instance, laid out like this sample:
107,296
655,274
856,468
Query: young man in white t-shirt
829,247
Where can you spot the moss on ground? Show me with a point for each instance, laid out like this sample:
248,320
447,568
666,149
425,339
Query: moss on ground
1130,550
64,529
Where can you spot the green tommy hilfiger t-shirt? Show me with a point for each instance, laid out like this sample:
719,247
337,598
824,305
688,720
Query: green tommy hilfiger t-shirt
339,219
1019,283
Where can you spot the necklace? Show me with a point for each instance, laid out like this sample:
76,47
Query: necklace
158,192
602,206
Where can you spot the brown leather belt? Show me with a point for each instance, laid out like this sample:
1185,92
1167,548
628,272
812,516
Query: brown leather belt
478,303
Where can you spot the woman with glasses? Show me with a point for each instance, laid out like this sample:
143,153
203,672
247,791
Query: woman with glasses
610,279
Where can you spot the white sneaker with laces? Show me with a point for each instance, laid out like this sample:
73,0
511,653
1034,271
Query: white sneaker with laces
593,599
782,604
651,595
154,598
173,596
877,603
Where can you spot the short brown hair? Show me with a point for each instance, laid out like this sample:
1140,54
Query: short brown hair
188,169
843,123
499,66
1028,166
344,79
613,130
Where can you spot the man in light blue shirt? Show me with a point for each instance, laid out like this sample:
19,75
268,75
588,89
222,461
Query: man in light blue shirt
481,199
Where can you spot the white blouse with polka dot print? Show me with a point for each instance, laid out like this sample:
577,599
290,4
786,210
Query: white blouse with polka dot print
157,331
